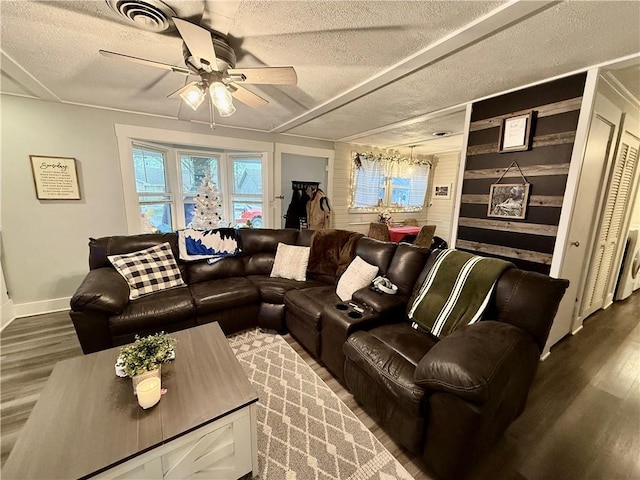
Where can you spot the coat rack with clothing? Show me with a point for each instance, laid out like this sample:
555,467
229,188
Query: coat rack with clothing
309,207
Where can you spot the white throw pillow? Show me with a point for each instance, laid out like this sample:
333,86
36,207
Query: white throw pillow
291,262
358,275
149,270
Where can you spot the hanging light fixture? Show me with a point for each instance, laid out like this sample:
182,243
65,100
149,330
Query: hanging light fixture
228,111
409,170
193,95
222,99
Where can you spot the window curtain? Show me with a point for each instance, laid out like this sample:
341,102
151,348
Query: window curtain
398,169
367,183
418,181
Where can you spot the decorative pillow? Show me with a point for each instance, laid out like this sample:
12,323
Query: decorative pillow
358,275
206,244
291,262
149,270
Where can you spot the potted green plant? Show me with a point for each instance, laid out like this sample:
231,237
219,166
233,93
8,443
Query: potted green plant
143,358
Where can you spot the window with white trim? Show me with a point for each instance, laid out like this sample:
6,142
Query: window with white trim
384,182
167,181
153,189
246,191
193,168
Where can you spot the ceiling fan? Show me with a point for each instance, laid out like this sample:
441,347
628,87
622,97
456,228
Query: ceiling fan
210,57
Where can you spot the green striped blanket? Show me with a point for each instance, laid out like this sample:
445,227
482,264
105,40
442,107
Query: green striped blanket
456,291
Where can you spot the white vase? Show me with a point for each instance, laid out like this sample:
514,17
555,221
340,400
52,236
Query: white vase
149,374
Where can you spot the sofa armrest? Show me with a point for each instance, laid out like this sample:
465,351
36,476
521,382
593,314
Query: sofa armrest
480,362
104,290
337,325
381,302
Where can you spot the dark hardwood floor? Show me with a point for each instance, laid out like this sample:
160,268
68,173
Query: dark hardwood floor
582,419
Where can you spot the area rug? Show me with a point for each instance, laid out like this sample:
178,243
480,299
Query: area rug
305,432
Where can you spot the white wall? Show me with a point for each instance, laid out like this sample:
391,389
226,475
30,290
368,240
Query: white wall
440,210
45,242
635,214
6,305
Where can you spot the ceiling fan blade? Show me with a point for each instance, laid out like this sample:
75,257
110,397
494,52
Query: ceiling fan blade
247,97
142,61
267,75
181,89
198,40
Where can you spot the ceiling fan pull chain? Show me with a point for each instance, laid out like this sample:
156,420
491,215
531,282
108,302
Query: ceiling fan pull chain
212,123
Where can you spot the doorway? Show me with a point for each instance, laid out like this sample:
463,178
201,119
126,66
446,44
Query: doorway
300,168
607,184
305,164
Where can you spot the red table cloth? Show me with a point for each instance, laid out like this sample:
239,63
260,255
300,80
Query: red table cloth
396,234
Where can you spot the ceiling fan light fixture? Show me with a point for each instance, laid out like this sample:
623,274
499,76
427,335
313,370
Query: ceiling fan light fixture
193,96
227,111
222,99
220,95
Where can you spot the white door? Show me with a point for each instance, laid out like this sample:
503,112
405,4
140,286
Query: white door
604,268
598,154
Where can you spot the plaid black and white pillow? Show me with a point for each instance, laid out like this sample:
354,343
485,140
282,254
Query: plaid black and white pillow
149,270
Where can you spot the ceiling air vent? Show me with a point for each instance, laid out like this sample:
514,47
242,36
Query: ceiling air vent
151,15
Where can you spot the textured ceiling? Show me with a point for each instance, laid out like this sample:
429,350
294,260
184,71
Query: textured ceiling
368,72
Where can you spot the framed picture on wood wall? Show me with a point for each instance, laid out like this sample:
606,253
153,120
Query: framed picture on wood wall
508,200
515,133
55,178
442,191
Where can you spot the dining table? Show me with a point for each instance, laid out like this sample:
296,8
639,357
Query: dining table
396,234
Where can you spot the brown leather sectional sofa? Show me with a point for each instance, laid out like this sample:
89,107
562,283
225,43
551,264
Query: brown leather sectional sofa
237,291
446,400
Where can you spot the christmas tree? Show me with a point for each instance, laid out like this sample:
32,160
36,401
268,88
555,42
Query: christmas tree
208,206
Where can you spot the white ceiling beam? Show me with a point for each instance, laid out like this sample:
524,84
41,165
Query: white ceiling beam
219,15
23,78
487,25
423,141
405,123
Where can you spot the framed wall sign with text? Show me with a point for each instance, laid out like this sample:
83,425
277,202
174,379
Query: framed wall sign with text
515,133
55,178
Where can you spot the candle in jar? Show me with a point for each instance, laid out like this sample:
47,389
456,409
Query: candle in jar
148,392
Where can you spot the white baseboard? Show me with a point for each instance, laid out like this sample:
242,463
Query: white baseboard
577,329
43,306
7,314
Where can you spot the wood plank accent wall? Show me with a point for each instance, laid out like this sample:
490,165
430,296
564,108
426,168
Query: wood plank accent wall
528,242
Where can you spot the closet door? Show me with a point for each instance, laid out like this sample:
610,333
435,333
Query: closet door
612,233
596,164
629,152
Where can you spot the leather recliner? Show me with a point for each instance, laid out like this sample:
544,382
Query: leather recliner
448,400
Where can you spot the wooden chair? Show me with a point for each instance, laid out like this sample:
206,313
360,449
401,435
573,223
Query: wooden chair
413,222
379,231
425,236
